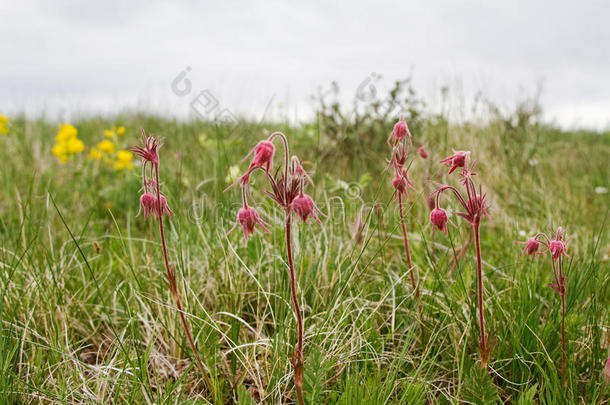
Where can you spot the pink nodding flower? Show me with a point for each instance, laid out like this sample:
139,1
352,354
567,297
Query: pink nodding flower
164,208
438,217
298,171
248,218
607,371
401,182
423,152
148,204
148,153
304,207
263,155
459,158
557,248
532,245
400,132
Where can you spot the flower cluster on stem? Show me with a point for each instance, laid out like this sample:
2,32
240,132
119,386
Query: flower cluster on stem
557,249
474,205
154,204
287,190
400,142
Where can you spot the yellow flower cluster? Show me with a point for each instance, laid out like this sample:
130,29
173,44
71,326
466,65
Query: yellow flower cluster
67,143
105,151
112,133
3,122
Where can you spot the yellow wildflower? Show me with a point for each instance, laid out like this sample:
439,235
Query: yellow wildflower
120,130
109,133
75,145
123,160
66,132
106,146
3,122
61,151
95,154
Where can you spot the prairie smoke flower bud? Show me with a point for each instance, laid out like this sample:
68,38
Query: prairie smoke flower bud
304,207
607,371
423,152
147,203
557,248
401,182
438,217
263,155
298,171
164,208
400,132
531,247
458,159
248,218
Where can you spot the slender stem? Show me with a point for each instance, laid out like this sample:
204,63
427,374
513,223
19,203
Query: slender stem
171,278
407,254
563,332
562,288
483,342
298,360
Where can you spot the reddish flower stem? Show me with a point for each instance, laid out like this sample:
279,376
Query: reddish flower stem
483,341
298,355
407,254
563,316
171,278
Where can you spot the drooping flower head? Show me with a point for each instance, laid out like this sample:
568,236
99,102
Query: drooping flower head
460,158
304,207
400,132
298,171
557,246
248,218
162,207
149,152
607,371
438,218
263,155
149,205
401,182
423,152
532,245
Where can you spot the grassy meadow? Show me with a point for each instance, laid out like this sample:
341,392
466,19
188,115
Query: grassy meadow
87,317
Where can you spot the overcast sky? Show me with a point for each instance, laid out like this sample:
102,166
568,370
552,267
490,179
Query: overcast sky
69,58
